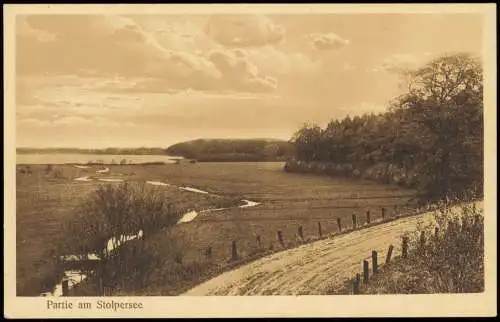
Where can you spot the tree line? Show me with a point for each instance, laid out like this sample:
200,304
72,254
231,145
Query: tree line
432,134
233,150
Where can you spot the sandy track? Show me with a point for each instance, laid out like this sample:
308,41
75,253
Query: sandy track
315,268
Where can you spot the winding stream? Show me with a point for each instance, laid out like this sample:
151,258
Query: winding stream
75,277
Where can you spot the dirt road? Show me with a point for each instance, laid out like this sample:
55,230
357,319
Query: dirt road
315,268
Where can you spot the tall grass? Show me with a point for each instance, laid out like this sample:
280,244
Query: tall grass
450,258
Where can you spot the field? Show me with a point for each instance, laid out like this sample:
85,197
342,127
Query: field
48,197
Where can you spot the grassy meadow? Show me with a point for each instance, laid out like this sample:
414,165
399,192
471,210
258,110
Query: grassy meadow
48,196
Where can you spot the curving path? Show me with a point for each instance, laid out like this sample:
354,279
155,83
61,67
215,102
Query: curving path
316,268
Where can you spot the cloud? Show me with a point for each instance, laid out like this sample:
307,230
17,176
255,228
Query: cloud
400,63
176,32
73,121
244,30
117,47
327,41
109,45
34,122
237,70
279,63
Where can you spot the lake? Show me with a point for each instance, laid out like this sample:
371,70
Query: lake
62,158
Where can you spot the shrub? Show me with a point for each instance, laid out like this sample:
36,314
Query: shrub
110,216
455,254
449,261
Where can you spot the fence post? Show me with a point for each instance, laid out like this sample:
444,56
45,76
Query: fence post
353,221
355,284
368,216
259,245
422,239
405,247
389,254
101,287
301,233
65,287
234,251
383,213
320,232
339,223
209,252
375,261
280,238
366,271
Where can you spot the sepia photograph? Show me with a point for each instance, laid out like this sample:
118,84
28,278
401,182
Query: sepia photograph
192,153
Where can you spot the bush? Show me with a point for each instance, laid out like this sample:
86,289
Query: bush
455,254
449,261
110,216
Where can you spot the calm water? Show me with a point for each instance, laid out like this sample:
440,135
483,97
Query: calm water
61,158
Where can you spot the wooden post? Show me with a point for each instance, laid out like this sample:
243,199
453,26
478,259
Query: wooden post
368,216
374,262
339,223
65,287
366,271
320,232
389,254
234,251
259,244
405,247
301,233
353,221
101,287
355,284
383,213
422,239
280,238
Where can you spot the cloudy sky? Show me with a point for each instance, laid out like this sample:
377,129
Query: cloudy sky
143,80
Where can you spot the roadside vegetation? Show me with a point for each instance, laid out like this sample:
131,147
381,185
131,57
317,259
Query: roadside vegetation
450,261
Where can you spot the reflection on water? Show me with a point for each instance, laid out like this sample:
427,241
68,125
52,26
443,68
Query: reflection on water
76,258
86,178
75,276
81,166
62,158
111,180
157,183
114,242
193,190
187,217
249,203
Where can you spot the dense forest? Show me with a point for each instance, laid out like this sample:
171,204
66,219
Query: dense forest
430,138
233,150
